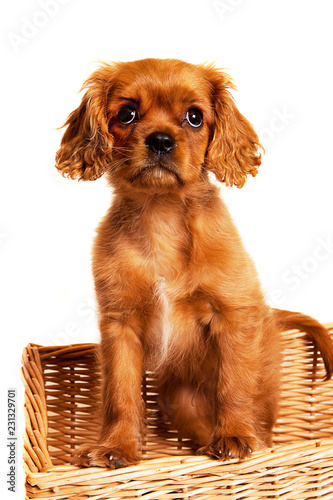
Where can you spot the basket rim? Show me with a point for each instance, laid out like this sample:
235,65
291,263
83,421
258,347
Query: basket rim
175,468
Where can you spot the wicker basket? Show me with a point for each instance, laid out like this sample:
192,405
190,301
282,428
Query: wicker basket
61,392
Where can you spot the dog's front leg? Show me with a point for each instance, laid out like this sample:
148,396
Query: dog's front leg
236,431
119,442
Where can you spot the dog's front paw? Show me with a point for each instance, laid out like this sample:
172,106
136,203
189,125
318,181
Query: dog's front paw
226,448
94,455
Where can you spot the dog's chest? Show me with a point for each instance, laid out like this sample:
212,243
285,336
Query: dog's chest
169,245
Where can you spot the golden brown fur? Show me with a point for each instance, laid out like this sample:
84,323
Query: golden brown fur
177,292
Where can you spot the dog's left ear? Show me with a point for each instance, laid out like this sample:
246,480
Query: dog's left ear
234,149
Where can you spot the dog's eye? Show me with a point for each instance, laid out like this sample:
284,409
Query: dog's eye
127,114
194,117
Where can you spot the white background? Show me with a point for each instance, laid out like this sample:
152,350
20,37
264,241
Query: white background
280,56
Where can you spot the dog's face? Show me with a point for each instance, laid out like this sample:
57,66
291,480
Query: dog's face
158,126
160,117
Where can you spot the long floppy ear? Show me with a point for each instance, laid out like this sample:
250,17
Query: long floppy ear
86,146
234,149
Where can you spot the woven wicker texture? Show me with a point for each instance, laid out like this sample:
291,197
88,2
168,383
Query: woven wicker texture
61,397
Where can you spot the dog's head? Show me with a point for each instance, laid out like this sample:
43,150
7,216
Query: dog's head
158,125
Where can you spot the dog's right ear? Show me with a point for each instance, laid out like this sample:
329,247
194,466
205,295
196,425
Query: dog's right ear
86,147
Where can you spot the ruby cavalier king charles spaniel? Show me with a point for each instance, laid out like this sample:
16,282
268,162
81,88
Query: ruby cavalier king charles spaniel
177,292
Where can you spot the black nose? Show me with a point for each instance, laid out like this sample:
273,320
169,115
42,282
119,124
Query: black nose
160,142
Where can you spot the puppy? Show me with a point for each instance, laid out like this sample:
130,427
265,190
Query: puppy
177,292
